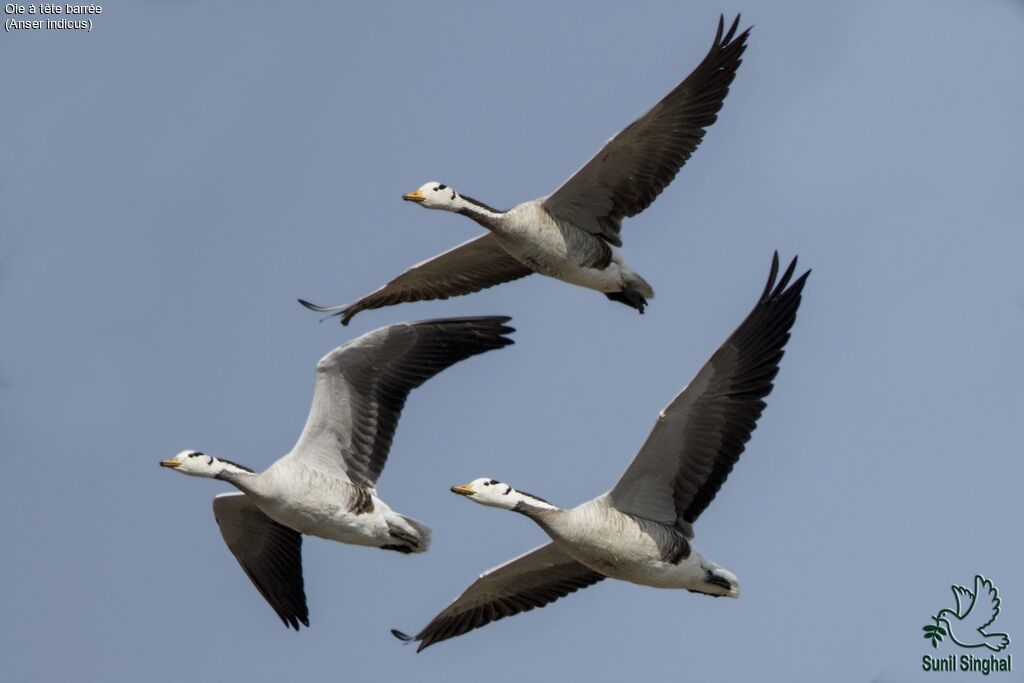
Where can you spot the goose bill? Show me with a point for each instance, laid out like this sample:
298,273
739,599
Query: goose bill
416,196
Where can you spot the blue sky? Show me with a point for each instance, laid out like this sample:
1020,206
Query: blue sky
175,179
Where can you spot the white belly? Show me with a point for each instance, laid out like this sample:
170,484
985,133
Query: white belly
647,571
535,240
313,503
608,279
623,547
551,258
332,521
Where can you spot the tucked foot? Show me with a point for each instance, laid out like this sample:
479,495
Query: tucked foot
716,580
406,534
404,549
718,583
629,296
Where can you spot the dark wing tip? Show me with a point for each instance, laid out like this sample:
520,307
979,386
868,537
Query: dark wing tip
404,637
499,319
293,620
291,611
724,38
493,327
732,29
800,281
345,313
784,280
771,276
749,367
731,36
319,309
773,289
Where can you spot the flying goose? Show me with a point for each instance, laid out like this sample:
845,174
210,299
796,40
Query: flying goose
573,234
641,530
327,485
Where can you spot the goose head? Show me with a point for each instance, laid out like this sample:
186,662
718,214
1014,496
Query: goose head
435,195
500,495
199,464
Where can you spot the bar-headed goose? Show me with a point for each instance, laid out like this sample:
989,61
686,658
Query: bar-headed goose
573,234
641,530
326,486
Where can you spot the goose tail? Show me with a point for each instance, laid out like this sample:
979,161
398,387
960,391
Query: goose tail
408,535
640,285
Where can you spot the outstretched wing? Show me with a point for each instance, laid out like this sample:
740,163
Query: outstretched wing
474,265
535,579
701,434
361,388
634,167
270,554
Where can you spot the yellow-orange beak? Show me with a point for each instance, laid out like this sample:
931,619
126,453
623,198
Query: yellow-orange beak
416,196
463,490
169,463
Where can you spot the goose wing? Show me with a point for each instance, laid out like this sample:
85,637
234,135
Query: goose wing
361,388
474,265
270,554
534,579
700,435
634,167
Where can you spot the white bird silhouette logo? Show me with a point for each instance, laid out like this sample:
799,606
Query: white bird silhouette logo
975,611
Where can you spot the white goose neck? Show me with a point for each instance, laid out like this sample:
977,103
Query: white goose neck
233,473
481,213
529,504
